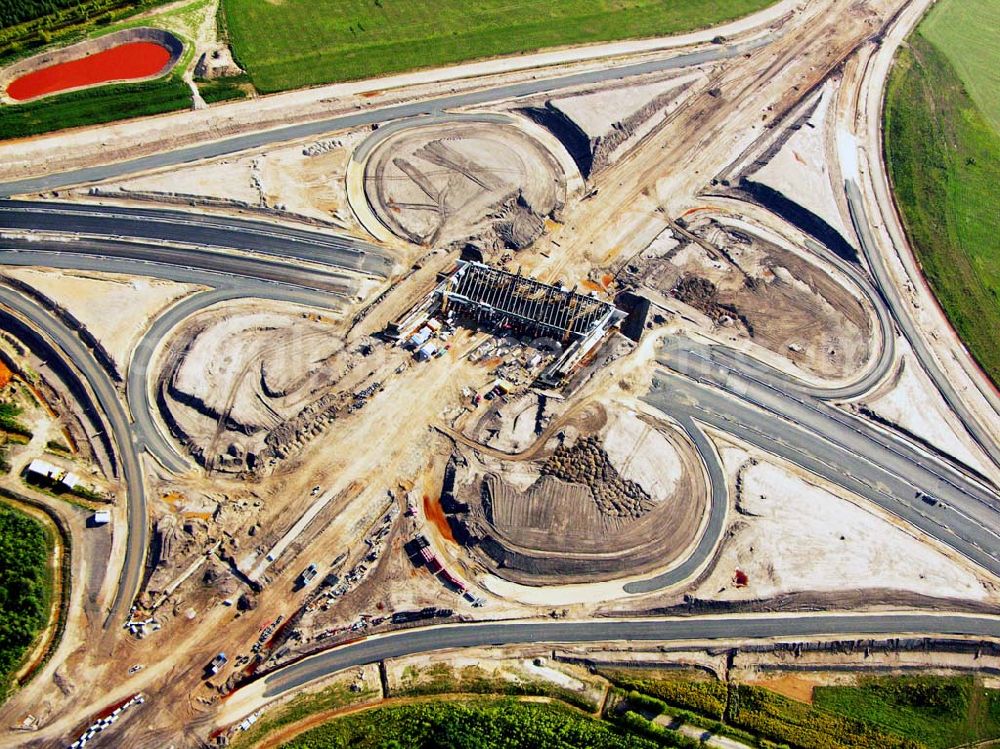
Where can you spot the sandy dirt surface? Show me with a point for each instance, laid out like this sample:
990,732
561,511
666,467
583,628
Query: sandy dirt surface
420,672
597,112
799,170
301,179
115,309
910,400
377,428
642,454
242,371
613,119
440,184
761,291
789,685
609,494
793,535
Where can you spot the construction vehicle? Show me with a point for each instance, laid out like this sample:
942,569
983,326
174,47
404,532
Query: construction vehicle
307,575
217,663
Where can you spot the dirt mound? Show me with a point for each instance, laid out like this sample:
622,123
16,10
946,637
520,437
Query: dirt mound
587,463
703,295
592,509
782,300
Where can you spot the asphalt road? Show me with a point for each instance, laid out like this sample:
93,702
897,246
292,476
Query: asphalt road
250,287
188,265
100,384
138,381
370,117
718,504
987,441
751,627
199,230
803,431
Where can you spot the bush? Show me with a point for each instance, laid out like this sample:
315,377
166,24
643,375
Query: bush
690,690
783,720
224,89
474,680
648,705
493,724
637,724
28,24
9,421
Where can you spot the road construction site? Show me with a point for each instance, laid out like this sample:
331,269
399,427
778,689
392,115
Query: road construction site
597,340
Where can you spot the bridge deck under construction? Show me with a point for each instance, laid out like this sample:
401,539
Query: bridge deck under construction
490,293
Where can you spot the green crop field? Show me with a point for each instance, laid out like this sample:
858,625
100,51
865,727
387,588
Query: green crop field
938,712
295,43
943,152
94,106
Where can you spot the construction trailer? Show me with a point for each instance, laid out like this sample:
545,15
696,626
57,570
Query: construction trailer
426,351
42,469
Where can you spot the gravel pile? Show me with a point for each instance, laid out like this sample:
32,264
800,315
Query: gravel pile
587,463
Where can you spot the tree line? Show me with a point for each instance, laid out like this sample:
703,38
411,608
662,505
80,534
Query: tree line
24,592
13,12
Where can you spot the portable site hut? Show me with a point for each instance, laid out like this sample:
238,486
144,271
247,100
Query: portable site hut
43,469
426,351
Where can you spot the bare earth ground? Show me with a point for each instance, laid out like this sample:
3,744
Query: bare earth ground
790,533
790,308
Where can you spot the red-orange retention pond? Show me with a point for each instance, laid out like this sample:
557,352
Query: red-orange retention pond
126,62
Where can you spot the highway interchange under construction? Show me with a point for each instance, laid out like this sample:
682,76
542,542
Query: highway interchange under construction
272,414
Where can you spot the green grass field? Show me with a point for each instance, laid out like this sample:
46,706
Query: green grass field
94,106
295,43
943,154
938,712
968,32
